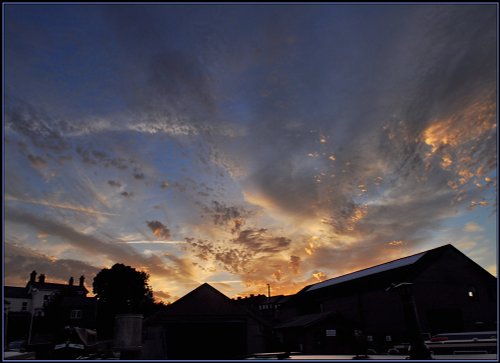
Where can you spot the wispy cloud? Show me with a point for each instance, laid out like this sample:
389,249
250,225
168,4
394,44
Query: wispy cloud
50,204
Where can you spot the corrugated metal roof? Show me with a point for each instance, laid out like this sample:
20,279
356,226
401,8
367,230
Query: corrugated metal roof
369,271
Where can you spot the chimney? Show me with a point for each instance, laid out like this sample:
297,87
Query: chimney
33,276
70,282
41,278
82,279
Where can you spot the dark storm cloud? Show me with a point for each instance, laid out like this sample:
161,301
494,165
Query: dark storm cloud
159,230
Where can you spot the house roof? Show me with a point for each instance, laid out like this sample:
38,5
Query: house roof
369,271
403,269
204,301
56,287
15,292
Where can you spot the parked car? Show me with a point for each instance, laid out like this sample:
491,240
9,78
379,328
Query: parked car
463,343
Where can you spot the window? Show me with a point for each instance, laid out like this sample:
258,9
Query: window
76,314
25,306
471,293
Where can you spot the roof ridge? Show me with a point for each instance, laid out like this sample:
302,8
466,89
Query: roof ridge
382,264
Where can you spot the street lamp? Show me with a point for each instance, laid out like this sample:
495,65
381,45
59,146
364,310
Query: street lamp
32,315
418,348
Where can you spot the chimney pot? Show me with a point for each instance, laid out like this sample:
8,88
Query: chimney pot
82,279
71,280
41,278
33,276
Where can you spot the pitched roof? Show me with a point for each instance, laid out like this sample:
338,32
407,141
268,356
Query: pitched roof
15,292
403,269
204,301
55,286
369,271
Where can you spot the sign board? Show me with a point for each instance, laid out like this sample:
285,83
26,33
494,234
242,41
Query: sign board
331,333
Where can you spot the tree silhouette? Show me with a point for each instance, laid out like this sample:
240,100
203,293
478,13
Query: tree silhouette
120,289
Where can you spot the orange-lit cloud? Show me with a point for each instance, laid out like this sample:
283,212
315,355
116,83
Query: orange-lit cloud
159,230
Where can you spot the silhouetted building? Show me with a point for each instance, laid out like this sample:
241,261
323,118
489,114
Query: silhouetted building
267,307
451,292
204,324
27,306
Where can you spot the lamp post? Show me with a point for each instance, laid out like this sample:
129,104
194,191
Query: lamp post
418,348
32,315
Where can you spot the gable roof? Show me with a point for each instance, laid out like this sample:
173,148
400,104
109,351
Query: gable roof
406,261
403,269
204,301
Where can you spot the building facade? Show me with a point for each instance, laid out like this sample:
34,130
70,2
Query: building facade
25,308
450,293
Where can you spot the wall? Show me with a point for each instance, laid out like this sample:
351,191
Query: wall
16,304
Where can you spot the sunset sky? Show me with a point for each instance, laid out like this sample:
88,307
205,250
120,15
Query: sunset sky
245,145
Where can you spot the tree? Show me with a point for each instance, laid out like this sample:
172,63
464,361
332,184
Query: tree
120,289
124,288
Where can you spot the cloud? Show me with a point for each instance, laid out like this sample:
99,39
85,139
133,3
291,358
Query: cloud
163,295
295,264
258,240
37,161
20,261
472,227
94,245
159,230
33,123
57,205
114,183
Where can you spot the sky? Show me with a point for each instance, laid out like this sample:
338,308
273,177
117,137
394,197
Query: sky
246,144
